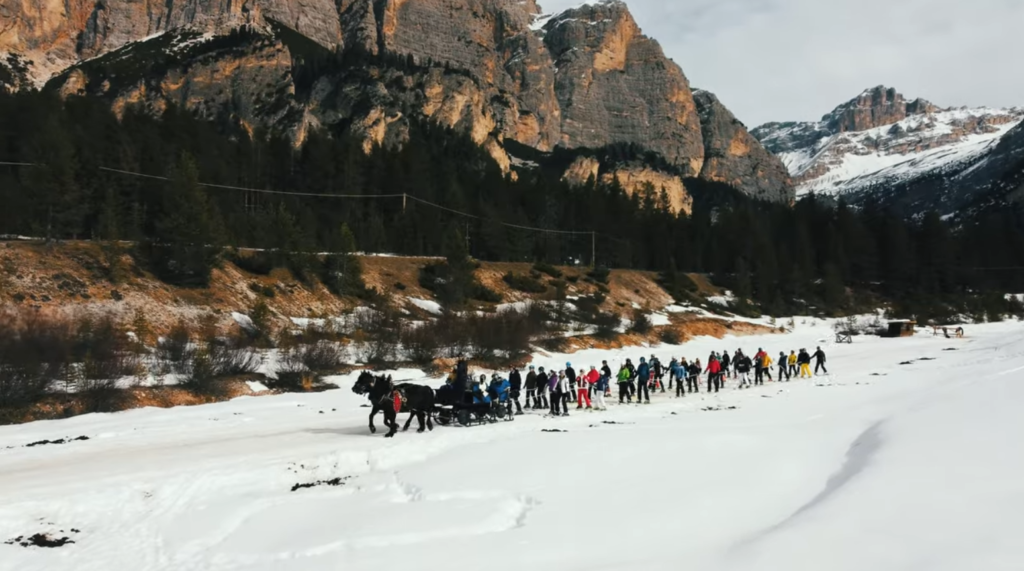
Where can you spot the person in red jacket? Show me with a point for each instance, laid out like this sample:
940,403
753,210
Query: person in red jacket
583,388
714,372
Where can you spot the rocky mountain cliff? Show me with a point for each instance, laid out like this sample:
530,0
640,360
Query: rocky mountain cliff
497,70
911,152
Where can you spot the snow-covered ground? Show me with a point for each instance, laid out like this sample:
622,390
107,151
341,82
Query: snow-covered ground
906,457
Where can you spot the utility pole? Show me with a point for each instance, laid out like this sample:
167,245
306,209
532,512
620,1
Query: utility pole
404,195
593,249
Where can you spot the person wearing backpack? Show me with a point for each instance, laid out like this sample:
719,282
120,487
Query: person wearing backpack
792,361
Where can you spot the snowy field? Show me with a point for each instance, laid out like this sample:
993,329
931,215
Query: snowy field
907,457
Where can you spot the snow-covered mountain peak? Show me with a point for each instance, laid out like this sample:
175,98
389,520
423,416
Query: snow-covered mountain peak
881,137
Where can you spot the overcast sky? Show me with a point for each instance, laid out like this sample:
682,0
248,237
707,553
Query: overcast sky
779,60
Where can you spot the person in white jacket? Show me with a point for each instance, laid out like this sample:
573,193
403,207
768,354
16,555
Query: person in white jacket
561,394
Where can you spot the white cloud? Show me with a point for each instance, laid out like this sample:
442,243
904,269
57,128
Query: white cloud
777,60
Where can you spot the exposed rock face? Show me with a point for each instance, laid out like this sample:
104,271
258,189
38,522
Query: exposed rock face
582,170
873,108
54,35
615,84
733,156
633,178
493,69
919,156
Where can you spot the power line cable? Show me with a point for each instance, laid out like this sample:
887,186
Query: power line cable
259,190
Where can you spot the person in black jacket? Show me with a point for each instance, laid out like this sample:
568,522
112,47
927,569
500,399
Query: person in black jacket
606,371
693,376
726,362
570,374
515,381
819,361
803,359
783,367
531,388
743,366
659,372
462,385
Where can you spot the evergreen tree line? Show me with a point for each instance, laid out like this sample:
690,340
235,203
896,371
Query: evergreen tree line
777,255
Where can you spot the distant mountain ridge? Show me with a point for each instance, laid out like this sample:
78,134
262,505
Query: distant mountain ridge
497,70
911,153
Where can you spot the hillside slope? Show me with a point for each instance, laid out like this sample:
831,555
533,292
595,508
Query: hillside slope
84,279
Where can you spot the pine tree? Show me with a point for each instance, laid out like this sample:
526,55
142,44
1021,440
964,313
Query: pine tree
185,245
343,272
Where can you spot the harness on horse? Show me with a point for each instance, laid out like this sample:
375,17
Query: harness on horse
394,395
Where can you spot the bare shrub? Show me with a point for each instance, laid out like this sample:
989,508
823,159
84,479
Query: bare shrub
422,344
378,334
233,357
106,354
34,352
641,322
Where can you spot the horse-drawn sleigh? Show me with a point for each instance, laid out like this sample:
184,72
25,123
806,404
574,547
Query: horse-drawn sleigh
446,406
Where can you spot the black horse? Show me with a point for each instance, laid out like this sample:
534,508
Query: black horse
417,400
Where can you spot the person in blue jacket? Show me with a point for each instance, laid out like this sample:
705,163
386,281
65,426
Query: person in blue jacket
643,373
679,372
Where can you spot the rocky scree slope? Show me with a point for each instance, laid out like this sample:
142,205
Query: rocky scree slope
497,70
911,153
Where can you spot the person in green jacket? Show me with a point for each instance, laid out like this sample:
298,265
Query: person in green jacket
623,379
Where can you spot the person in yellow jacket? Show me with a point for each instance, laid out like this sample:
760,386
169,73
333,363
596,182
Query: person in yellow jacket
766,364
792,364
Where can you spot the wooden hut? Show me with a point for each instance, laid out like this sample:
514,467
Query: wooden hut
901,328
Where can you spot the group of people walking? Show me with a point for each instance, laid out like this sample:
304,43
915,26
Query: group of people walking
741,366
553,391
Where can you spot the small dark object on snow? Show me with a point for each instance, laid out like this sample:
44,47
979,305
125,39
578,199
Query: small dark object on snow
951,349
717,408
321,412
553,430
339,481
40,540
58,441
907,363
926,359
